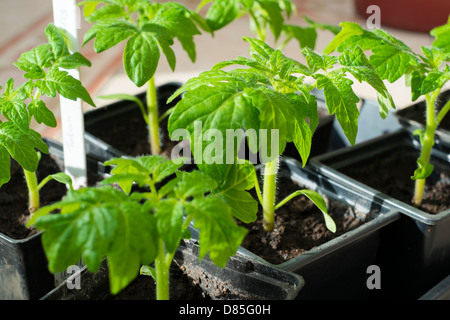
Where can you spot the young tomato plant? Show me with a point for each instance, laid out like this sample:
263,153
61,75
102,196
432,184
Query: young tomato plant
149,29
425,73
264,15
269,94
42,66
134,229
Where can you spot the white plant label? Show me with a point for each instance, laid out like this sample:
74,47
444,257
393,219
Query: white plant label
66,15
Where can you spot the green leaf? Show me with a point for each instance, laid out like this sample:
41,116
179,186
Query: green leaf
119,229
34,62
341,100
66,85
219,234
318,200
220,107
169,214
148,271
423,171
315,25
179,22
194,184
42,114
164,39
306,36
435,80
73,61
13,107
359,66
318,62
109,35
234,180
221,13
442,37
111,11
391,58
56,40
5,165
277,112
22,146
390,62
144,170
60,177
320,203
273,15
141,57
349,29
416,79
303,130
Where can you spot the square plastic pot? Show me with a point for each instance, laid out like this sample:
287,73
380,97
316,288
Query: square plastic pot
416,250
440,291
239,279
337,269
23,265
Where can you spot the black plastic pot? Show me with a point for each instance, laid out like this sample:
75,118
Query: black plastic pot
239,279
125,119
413,118
416,250
23,266
337,269
441,291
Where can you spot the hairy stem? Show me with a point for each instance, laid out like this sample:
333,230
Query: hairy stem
427,145
33,192
153,120
162,274
269,194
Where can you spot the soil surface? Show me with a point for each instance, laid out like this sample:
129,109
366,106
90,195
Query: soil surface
14,211
299,226
391,174
144,288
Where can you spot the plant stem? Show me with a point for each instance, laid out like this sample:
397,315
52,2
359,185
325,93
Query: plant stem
269,193
162,274
153,121
427,145
33,193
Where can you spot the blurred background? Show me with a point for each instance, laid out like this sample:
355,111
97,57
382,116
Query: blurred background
23,22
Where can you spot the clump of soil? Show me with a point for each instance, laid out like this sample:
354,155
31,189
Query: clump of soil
299,226
14,211
391,174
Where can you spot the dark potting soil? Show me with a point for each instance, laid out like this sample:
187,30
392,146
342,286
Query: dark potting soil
181,287
299,226
14,211
391,174
132,137
186,283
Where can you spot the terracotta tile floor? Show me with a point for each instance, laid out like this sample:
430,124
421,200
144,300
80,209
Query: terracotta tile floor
23,23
